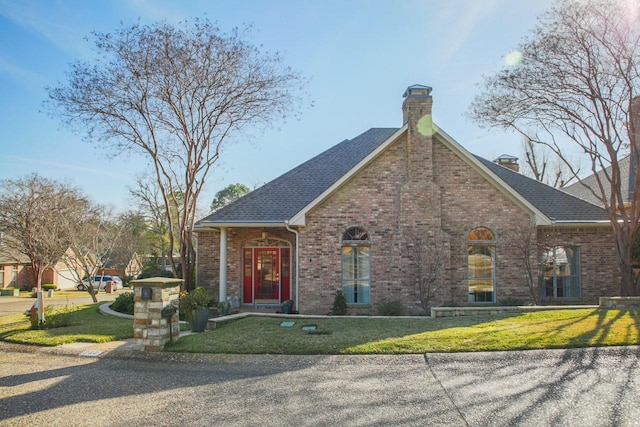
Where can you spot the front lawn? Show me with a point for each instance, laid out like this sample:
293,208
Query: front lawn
66,324
362,335
545,329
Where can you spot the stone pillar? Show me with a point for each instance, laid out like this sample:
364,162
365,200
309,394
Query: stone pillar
153,322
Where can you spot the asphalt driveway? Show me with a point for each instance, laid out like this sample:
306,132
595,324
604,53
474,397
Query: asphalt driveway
589,387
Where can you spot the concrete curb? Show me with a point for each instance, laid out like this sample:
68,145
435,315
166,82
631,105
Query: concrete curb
105,310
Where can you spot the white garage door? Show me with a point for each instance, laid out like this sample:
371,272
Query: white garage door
66,279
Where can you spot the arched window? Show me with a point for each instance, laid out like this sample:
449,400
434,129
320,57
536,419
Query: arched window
356,266
481,259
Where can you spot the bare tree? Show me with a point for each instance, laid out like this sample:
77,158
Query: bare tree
134,239
33,214
427,255
147,196
92,237
576,85
539,165
175,94
522,243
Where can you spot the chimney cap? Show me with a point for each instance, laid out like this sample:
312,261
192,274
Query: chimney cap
417,90
506,159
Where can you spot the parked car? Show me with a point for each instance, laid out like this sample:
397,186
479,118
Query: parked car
100,283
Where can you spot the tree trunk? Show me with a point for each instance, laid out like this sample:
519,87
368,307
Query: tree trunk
92,292
624,248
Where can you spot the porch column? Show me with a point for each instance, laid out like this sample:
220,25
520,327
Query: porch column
223,264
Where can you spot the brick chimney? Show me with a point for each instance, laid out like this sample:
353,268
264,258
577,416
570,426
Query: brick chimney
416,113
508,161
420,194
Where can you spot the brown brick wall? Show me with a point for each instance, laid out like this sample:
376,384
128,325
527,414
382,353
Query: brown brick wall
600,275
375,199
416,188
379,199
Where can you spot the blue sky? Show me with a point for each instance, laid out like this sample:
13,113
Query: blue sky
360,56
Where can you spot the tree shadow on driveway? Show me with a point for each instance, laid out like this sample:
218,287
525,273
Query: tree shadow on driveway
591,386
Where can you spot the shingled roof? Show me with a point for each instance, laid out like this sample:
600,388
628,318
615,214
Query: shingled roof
285,196
581,189
555,204
281,199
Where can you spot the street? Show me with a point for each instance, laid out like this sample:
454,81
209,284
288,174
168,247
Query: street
582,387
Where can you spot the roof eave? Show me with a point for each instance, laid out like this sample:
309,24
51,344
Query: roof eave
582,223
212,225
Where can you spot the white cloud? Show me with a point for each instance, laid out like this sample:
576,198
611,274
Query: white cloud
60,23
462,18
110,172
25,77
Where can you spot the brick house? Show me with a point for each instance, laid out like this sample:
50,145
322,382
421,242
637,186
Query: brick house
406,214
16,271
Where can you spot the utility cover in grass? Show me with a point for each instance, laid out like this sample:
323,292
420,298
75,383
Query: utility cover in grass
309,328
287,324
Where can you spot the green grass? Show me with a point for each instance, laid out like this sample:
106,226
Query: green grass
546,329
341,335
74,323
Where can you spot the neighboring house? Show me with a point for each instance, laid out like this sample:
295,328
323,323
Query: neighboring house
583,189
132,269
15,271
348,219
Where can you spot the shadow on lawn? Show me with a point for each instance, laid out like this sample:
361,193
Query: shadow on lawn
333,335
599,334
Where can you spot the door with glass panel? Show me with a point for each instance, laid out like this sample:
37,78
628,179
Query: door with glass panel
267,276
267,272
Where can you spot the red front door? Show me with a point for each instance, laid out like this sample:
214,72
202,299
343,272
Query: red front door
266,275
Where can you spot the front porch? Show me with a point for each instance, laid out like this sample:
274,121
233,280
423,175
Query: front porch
254,266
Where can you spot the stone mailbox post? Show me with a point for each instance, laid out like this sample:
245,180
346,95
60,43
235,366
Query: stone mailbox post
155,312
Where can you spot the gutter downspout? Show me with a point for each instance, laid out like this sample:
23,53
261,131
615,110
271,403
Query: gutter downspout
286,224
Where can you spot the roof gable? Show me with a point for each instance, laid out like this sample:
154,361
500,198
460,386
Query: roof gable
279,200
287,198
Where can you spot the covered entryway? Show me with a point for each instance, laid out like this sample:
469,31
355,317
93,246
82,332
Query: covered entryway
267,273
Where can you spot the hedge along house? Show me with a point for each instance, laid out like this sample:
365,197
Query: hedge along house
406,214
